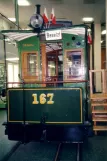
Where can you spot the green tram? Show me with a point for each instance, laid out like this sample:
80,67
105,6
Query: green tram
50,101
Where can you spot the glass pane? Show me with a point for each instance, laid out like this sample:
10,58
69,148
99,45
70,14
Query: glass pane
60,66
32,64
51,68
16,71
74,66
10,76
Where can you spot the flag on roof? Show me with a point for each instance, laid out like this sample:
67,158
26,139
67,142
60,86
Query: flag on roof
45,16
53,18
89,38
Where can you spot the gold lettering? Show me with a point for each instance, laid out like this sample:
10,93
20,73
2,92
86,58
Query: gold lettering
35,99
28,45
42,98
51,98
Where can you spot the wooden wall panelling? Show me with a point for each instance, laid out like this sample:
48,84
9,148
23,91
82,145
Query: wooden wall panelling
43,53
24,65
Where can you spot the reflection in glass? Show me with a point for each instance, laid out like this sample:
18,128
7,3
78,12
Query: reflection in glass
10,77
13,77
32,64
74,66
51,68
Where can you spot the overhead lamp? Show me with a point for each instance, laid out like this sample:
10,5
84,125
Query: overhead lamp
12,19
36,21
103,32
88,19
23,3
89,30
7,39
12,59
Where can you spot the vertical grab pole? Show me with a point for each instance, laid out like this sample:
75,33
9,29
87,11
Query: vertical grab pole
86,67
24,113
5,61
4,44
92,28
17,13
23,85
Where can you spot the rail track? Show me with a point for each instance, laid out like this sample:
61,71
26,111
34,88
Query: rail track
78,152
57,156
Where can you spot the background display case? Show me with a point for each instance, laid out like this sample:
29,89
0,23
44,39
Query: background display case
2,84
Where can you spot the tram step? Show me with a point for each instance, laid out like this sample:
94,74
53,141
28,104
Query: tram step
98,104
99,111
100,128
102,119
98,96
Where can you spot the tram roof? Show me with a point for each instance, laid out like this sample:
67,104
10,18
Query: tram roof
19,35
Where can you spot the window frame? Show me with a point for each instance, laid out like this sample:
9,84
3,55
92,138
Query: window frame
24,64
65,61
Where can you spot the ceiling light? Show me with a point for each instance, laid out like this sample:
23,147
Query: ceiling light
101,41
89,30
12,19
88,19
23,3
12,59
7,39
103,32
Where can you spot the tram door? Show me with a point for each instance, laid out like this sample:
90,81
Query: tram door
51,57
54,66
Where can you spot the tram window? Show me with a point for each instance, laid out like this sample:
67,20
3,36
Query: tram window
29,65
32,64
73,66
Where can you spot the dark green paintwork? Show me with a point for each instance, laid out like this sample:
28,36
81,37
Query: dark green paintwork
67,38
25,45
66,107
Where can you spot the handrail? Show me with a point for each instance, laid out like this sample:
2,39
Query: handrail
51,82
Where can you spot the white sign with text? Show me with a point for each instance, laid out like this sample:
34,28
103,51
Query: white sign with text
53,35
